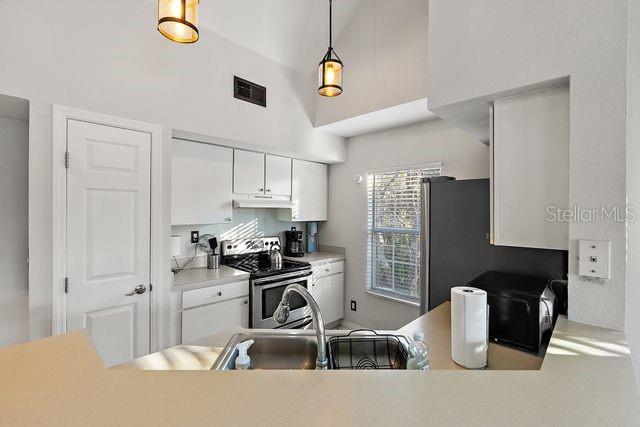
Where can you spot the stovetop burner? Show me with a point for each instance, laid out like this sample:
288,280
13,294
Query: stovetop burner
250,264
244,254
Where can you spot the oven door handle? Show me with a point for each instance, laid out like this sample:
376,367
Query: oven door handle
281,280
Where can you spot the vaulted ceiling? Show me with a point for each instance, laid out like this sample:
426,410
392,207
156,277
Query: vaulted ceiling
293,33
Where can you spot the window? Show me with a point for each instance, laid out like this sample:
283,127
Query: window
394,222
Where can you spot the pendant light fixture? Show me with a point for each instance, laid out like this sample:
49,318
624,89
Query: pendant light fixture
330,68
178,20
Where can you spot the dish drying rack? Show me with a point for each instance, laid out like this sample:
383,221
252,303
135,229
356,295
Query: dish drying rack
368,351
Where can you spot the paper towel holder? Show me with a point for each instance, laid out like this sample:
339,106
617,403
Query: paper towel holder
473,351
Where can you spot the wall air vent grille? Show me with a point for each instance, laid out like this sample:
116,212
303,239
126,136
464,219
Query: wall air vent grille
250,92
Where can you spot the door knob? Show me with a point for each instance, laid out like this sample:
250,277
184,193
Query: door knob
138,290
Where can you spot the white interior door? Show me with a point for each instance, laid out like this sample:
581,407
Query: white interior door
108,238
278,176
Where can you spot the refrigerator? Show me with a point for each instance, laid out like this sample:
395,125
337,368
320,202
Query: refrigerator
455,244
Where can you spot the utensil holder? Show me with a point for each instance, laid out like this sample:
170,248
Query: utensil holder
213,261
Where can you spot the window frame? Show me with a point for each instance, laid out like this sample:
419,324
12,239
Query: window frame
428,170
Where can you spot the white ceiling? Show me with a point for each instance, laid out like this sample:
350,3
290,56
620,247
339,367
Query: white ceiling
293,33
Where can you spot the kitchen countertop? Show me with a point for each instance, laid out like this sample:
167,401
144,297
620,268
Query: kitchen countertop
586,379
318,258
194,278
435,325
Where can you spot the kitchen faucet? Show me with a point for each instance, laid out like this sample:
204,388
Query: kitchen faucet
282,314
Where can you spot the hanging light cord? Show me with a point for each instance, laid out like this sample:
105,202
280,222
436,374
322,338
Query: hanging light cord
330,24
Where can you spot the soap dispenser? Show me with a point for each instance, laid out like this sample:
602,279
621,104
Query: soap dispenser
243,360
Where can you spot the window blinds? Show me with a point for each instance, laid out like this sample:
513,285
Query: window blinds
393,224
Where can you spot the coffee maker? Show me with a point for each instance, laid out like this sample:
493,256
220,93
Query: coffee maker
294,246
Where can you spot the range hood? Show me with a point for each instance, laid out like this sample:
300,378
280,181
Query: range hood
262,203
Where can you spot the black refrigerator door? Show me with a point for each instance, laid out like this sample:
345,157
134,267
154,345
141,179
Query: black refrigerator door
458,229
457,224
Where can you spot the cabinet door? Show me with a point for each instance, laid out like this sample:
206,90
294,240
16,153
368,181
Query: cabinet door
309,191
211,319
248,172
530,149
277,176
337,296
201,183
321,292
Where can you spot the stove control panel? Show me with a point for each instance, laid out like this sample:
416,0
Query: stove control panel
248,246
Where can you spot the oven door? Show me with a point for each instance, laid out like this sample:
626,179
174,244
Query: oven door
266,295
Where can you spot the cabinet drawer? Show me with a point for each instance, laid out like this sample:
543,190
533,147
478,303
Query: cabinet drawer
214,294
328,269
212,319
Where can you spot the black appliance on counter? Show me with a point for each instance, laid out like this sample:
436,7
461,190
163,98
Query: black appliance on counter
522,309
294,246
455,242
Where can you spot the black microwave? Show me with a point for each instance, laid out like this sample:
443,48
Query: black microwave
522,309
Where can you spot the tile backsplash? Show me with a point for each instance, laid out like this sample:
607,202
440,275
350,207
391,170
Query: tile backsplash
246,223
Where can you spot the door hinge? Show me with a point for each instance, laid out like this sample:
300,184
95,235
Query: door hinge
66,159
66,285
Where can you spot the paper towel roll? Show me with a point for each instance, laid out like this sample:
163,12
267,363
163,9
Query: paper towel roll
469,327
176,245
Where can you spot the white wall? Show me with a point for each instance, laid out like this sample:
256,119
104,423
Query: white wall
246,223
384,50
461,156
481,48
108,57
14,288
633,184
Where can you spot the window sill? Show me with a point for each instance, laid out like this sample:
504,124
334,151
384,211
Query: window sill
388,297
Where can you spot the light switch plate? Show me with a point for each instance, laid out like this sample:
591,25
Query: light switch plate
595,258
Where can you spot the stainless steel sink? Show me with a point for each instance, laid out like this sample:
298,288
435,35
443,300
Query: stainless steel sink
297,349
271,351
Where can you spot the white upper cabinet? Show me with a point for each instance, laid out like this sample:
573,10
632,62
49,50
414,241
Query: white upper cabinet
309,192
530,169
201,183
248,172
261,174
277,176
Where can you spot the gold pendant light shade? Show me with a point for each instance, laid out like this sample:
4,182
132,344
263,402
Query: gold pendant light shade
330,76
178,20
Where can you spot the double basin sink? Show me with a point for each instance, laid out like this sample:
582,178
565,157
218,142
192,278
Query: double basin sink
299,349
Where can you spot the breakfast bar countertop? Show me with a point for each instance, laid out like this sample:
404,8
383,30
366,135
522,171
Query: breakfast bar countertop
586,378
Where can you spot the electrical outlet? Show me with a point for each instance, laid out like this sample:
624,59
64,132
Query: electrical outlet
195,236
353,305
595,258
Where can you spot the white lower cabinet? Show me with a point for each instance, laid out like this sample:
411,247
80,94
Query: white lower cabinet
328,290
337,296
232,311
